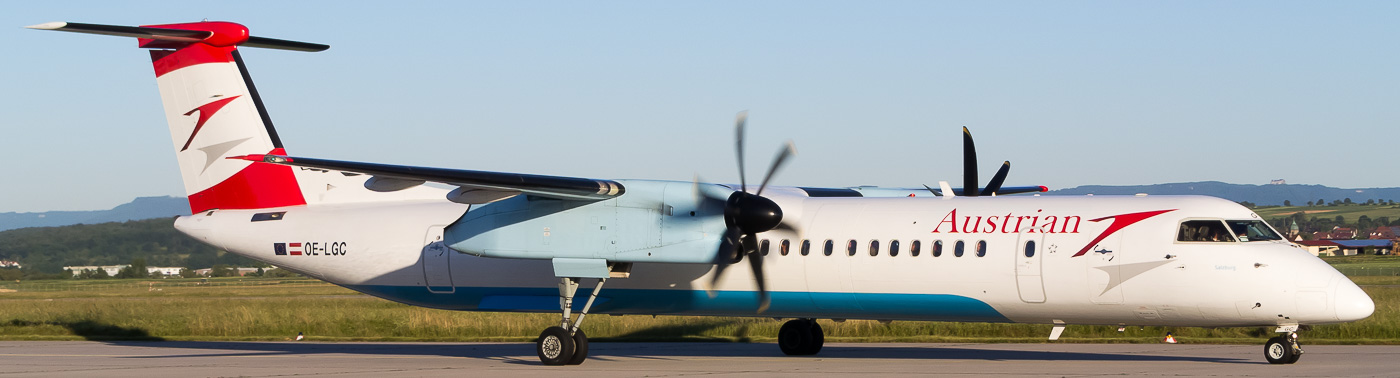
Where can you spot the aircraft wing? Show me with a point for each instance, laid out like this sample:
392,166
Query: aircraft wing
474,187
874,191
1011,190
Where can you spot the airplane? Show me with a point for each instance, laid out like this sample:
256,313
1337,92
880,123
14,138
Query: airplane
511,242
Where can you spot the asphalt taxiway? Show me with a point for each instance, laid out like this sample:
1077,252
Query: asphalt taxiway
266,359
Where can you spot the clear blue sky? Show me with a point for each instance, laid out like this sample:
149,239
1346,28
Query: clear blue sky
1073,93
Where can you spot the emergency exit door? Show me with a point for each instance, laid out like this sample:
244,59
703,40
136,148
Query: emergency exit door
1029,281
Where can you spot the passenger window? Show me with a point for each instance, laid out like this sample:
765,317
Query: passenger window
851,248
806,246
1204,231
1030,248
894,248
826,249
981,248
763,247
914,249
958,249
874,247
937,248
783,247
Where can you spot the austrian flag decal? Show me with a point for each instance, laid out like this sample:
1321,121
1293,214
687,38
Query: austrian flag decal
329,248
283,249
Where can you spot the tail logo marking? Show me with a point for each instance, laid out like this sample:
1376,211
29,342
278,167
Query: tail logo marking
205,112
214,151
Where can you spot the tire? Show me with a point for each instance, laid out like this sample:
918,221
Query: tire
1297,351
794,338
1279,350
818,338
555,346
580,348
1294,359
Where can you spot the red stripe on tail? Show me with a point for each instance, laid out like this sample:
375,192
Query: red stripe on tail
217,48
257,186
167,61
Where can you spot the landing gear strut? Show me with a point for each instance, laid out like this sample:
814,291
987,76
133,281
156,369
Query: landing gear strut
1283,349
801,337
567,344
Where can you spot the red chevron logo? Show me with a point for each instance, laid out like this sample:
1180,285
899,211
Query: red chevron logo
1119,222
205,112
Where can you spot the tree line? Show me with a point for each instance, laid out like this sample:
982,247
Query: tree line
44,251
1307,225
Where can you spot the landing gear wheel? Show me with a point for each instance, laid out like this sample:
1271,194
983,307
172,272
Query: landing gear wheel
1282,350
555,346
558,346
1297,348
794,338
800,337
580,348
818,338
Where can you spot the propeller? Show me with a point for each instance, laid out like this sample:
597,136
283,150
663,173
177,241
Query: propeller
970,170
746,215
969,165
995,185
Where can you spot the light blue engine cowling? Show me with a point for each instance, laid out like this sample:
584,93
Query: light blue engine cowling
654,221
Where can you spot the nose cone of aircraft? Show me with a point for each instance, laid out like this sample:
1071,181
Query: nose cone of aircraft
1353,303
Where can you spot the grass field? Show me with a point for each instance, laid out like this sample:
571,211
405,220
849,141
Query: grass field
279,309
1348,212
1366,265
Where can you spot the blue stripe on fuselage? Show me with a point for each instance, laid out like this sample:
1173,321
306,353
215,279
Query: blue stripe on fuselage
938,307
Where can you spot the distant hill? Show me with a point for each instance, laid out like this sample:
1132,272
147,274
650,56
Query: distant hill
1257,194
49,249
138,209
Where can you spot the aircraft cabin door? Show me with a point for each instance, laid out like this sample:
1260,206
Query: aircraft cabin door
1030,249
437,267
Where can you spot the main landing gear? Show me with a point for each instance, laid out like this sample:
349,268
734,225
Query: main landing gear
1283,349
566,344
801,337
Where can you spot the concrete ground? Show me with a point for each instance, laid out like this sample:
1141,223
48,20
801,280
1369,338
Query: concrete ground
263,359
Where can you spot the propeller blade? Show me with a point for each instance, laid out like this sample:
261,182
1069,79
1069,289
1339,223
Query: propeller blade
728,253
739,121
756,263
969,165
788,150
702,195
750,244
995,185
785,226
745,216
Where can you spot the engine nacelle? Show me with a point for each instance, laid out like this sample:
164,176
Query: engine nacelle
653,222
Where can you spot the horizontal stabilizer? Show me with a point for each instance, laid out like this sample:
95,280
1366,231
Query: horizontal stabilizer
213,33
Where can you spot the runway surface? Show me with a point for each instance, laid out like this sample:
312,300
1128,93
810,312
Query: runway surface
266,359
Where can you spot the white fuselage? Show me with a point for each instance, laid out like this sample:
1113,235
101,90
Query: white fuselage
1139,274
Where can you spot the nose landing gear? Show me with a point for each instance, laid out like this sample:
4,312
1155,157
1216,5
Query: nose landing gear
1283,349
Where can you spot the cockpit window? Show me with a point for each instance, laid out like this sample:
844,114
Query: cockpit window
1204,231
1252,230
